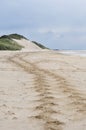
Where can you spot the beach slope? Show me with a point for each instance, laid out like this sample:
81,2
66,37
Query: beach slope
42,90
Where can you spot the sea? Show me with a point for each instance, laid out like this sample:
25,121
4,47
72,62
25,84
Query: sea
74,52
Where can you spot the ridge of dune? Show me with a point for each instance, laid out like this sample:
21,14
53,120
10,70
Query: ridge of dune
27,45
19,42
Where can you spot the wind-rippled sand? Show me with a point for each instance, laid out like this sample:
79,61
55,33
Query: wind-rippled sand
42,90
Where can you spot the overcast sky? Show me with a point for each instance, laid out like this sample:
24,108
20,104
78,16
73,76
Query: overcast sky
57,24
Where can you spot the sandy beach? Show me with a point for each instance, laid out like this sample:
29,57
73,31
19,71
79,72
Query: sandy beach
42,90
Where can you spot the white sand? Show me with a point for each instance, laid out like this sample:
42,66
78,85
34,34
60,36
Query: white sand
42,90
28,45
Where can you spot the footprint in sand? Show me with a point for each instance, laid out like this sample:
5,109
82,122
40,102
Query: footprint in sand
14,118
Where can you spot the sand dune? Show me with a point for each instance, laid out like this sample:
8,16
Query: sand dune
28,45
42,91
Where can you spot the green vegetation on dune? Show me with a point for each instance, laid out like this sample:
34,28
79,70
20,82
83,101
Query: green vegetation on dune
40,45
16,36
6,43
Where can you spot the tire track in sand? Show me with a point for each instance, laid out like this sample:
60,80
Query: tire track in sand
45,83
42,87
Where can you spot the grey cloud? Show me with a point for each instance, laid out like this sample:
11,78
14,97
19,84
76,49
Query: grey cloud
62,21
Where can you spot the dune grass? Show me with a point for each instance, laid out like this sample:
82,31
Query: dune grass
6,43
40,45
16,36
